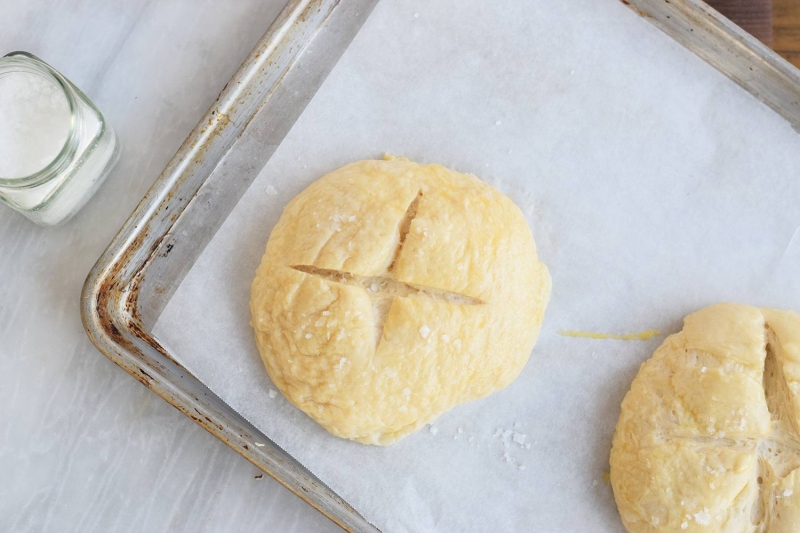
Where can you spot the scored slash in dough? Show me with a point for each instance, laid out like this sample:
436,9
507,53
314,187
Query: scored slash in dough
708,439
391,292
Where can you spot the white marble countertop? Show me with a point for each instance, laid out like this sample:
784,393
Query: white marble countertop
83,447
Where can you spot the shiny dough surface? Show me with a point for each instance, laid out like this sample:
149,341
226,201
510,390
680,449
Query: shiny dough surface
392,291
707,439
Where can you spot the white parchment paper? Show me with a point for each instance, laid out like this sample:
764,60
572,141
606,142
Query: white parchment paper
654,186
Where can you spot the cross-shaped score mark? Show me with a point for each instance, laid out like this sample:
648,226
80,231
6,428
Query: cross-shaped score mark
381,287
385,288
777,454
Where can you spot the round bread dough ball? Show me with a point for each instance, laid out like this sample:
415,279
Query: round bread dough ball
391,292
708,435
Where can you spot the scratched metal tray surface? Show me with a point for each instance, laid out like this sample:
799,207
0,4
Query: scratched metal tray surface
135,278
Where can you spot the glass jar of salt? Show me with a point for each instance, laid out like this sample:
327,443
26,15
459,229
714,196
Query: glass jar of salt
55,146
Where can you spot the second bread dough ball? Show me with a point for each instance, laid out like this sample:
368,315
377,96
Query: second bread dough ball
708,439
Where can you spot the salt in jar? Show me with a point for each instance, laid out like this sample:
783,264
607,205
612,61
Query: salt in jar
55,146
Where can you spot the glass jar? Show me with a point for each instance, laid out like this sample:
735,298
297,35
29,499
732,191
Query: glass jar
55,146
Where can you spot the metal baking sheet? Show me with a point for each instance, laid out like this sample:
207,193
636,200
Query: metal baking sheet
136,277
132,281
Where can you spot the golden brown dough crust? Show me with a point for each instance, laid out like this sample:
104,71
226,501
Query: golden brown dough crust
391,292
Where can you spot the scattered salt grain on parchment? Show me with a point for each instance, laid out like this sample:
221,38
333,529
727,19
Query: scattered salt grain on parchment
272,191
